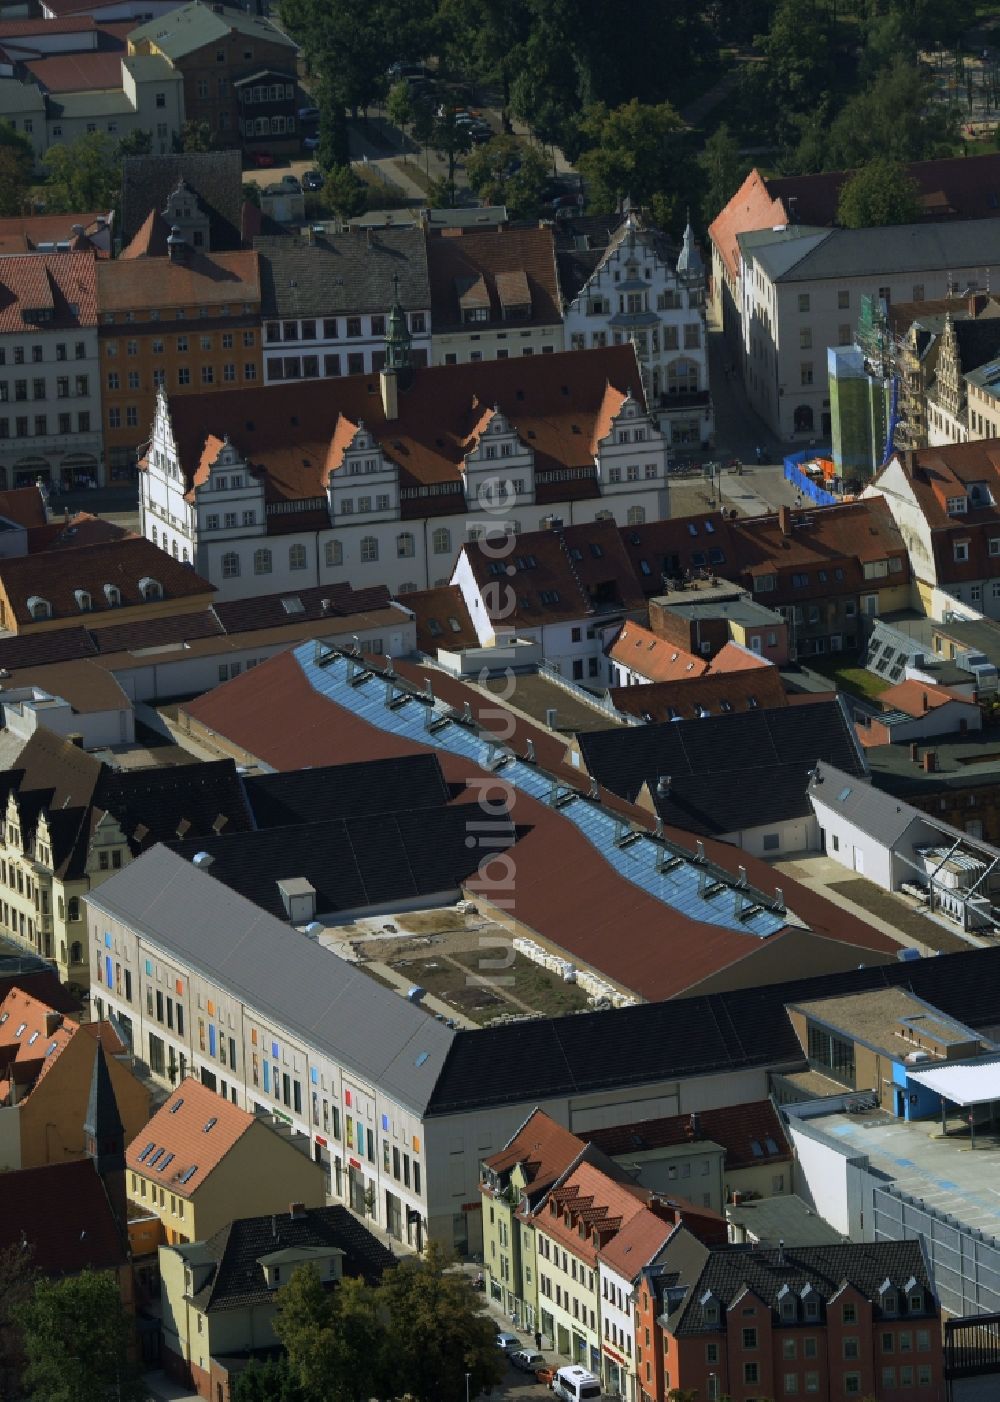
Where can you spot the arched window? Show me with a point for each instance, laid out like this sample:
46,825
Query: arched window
262,562
334,553
76,952
405,545
151,589
804,418
296,557
230,565
369,549
682,377
39,608
442,541
73,908
636,515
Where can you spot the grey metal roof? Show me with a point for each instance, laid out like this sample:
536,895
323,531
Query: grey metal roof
190,27
879,814
744,611
20,97
288,978
787,1218
899,250
342,274
779,249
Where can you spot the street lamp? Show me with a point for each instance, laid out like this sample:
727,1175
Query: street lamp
467,1377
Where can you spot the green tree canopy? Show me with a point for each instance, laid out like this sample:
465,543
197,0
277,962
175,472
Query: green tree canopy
345,192
135,143
628,152
724,170
267,1382
895,117
77,1341
85,174
195,135
17,161
881,192
491,175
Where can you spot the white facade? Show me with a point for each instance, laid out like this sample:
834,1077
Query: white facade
325,347
618,1352
369,540
635,295
50,406
26,708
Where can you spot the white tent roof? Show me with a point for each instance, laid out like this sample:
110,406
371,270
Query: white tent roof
963,1083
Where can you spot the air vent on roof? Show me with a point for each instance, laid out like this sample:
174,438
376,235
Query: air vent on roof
200,859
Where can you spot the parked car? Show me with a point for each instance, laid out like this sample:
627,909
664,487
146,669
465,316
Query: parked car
545,1375
310,142
291,182
262,159
312,180
508,1342
308,114
527,1360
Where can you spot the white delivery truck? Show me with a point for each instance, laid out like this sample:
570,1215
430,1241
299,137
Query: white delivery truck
575,1384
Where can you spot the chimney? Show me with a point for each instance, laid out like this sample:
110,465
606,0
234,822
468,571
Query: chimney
930,761
53,1021
390,394
914,752
694,1125
663,786
296,1210
781,1252
785,519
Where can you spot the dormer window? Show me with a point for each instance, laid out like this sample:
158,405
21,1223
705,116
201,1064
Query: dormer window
958,506
83,600
150,589
113,595
786,1305
39,608
709,1308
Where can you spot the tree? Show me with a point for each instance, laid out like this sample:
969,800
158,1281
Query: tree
77,1341
881,192
267,1382
334,1339
17,161
450,140
399,106
504,172
251,192
17,1282
724,170
135,143
85,174
628,152
345,192
436,1332
895,117
195,135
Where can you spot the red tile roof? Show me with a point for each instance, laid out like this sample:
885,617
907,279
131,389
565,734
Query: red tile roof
18,28
23,234
63,1212
202,279
752,207
736,1128
570,572
441,617
563,404
641,651
734,657
55,575
563,890
196,1128
917,698
543,1147
32,1036
509,266
82,72
718,693
935,475
151,239
63,285
23,505
642,1239
601,1203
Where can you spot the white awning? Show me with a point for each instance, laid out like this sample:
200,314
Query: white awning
963,1083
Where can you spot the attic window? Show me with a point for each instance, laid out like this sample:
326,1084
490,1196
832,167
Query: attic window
166,1163
33,1038
113,595
150,589
596,550
157,1157
147,1151
39,608
293,604
188,1174
84,602
454,624
434,628
692,528
20,1029
51,1048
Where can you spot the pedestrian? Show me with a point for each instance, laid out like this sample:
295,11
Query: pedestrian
760,454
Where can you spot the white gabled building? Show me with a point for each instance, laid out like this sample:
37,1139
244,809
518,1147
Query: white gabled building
640,294
380,478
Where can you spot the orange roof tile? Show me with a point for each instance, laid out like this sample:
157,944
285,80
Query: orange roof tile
652,657
734,657
151,238
917,698
752,207
715,693
590,1193
202,279
188,1137
63,285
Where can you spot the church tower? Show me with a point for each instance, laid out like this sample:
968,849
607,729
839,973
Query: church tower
104,1137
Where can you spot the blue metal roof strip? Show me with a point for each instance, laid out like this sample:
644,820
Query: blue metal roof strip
683,888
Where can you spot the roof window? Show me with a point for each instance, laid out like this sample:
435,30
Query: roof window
177,1105
188,1174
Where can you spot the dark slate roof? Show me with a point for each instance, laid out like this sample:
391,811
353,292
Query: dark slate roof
581,243
216,177
164,799
380,859
238,1280
346,790
340,274
38,649
727,1270
299,606
726,772
590,1052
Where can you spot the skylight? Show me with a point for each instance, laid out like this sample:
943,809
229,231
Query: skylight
147,1151
421,1058
20,1029
845,793
177,1105
188,1174
209,1124
166,1163
293,604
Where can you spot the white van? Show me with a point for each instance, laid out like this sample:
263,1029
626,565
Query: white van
575,1384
